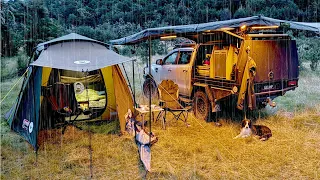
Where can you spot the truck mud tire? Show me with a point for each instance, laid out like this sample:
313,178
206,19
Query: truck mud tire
154,91
201,106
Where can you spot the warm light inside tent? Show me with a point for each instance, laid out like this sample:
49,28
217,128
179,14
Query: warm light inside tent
168,37
264,27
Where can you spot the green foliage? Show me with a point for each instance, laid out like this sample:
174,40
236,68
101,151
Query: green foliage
309,51
22,62
8,68
241,13
27,23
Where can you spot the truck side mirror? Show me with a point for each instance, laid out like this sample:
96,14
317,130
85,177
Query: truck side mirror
159,61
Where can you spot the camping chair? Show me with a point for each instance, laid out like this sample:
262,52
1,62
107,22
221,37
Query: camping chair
169,101
63,102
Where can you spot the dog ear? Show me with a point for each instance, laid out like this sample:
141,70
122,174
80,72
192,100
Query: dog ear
243,123
250,123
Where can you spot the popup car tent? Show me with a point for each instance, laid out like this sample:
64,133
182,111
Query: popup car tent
71,78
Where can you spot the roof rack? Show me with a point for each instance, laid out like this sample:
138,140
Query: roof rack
185,43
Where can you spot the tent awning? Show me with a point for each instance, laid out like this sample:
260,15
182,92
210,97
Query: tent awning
78,56
185,30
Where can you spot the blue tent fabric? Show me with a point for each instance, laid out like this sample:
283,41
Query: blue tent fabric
156,33
24,119
11,113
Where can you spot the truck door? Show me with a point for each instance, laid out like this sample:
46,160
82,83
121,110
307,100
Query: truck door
167,70
183,72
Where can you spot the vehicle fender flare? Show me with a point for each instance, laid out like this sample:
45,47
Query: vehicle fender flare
206,89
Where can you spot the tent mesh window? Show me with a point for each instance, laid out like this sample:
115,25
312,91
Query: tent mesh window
89,91
85,90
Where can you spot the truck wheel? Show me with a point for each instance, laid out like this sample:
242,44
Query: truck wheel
150,83
201,106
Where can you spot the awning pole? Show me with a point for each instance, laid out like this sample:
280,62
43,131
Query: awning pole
150,114
133,84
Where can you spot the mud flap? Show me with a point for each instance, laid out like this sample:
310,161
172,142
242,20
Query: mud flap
211,98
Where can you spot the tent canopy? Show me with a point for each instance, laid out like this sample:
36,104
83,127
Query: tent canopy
66,38
156,33
80,56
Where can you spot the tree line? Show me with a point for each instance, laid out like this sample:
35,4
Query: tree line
25,23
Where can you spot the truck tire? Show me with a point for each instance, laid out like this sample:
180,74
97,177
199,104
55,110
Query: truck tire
154,90
201,106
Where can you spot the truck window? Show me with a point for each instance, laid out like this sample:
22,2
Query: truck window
184,57
171,59
202,53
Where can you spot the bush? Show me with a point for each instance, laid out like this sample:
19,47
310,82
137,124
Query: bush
13,66
22,62
8,68
309,51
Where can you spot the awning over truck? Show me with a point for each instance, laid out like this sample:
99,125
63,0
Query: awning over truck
156,33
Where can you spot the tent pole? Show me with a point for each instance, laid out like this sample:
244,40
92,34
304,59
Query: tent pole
129,84
150,114
133,84
34,113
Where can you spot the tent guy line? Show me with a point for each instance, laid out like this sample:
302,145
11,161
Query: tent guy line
14,86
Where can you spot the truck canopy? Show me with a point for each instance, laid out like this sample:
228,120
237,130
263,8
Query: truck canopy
192,29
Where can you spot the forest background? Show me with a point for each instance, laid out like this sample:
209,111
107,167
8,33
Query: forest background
24,24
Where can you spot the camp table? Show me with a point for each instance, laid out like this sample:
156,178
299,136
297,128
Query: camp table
144,109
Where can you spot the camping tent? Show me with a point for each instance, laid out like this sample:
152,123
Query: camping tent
71,78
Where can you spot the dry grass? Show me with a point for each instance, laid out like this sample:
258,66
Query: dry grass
202,151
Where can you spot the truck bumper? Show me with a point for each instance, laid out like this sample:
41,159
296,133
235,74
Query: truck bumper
262,97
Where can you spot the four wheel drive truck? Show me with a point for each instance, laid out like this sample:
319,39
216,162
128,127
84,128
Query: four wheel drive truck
253,69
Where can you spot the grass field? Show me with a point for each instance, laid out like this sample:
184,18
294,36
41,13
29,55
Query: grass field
202,151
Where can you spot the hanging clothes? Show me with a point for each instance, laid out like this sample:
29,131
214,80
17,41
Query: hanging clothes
247,85
144,142
143,139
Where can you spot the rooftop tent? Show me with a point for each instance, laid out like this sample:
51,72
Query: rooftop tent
70,78
189,30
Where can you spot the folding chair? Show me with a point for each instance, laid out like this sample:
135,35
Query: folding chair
169,101
63,102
